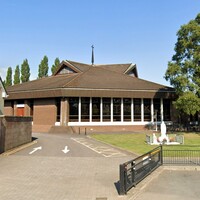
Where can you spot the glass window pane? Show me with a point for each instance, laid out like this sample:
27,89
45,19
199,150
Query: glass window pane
137,109
85,109
156,106
73,109
147,109
95,109
116,109
106,109
58,101
166,109
127,109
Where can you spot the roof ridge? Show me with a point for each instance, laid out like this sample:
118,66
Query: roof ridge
77,62
97,65
77,75
113,64
113,71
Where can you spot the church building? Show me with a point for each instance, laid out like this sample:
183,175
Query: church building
90,95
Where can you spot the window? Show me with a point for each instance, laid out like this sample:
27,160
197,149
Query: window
116,109
73,109
166,110
156,106
106,109
85,109
31,107
147,109
137,109
95,109
127,109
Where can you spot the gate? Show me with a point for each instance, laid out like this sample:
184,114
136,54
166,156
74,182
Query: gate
133,171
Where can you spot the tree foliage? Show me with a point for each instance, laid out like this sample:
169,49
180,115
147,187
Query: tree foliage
25,71
17,75
183,70
43,68
8,81
191,101
55,65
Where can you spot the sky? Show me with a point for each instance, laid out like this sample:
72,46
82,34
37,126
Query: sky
142,32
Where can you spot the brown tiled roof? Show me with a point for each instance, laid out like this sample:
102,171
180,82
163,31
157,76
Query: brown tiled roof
97,80
50,82
120,68
81,66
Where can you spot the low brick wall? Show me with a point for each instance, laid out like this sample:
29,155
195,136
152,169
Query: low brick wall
14,131
109,129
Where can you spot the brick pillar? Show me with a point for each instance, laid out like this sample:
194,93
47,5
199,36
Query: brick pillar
15,108
27,108
64,109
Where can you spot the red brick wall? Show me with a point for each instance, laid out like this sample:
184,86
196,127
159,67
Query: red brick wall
44,112
8,109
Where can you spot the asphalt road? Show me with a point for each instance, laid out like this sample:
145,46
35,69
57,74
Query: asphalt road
69,145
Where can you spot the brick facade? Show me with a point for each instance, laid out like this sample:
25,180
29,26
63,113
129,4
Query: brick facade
8,108
45,113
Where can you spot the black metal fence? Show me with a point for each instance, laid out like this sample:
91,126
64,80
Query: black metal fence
133,171
181,155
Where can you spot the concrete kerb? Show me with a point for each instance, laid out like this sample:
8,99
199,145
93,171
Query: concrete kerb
19,148
182,168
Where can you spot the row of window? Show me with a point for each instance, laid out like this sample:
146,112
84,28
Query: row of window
116,108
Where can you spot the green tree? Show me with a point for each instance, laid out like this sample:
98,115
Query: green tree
8,81
55,65
43,68
25,71
183,70
17,75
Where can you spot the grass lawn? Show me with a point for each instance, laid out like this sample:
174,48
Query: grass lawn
136,142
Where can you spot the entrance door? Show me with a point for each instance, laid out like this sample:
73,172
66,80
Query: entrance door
20,111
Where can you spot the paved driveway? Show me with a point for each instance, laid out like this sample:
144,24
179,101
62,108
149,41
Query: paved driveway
89,170
64,145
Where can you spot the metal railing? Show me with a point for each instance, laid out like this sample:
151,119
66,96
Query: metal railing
184,155
133,171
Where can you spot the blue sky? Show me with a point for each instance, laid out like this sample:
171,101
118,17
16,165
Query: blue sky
122,31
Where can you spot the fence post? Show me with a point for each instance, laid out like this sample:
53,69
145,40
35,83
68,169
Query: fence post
161,154
122,189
